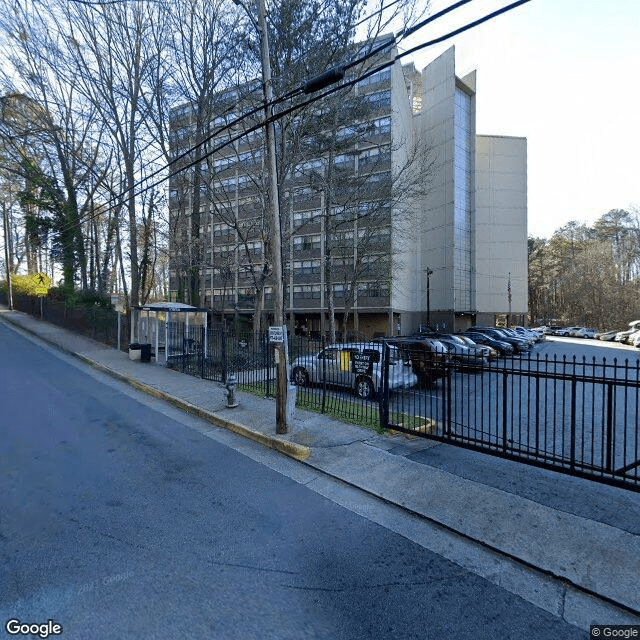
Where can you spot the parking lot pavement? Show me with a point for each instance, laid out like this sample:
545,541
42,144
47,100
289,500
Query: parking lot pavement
599,348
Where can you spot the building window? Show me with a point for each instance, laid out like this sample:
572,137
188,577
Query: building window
222,230
306,292
306,267
254,248
375,157
306,243
382,125
380,76
378,100
301,218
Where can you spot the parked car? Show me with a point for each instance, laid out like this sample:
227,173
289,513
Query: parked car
550,330
464,354
633,336
526,341
624,336
564,331
606,335
354,365
518,344
502,347
428,357
583,332
493,353
532,334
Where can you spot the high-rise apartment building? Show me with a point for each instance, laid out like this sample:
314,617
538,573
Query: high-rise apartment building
394,212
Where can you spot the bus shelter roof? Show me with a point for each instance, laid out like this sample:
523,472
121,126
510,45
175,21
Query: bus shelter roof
178,307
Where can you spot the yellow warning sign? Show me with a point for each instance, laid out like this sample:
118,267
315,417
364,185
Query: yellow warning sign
41,282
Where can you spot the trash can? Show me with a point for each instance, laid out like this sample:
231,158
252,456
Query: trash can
145,352
134,351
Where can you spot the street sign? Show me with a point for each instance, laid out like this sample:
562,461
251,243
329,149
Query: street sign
41,282
276,334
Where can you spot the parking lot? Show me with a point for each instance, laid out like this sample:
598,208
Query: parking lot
570,403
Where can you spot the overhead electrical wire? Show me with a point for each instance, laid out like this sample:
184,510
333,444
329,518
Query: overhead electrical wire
290,94
287,96
315,98
277,116
232,107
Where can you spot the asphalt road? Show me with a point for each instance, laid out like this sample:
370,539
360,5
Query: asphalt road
120,519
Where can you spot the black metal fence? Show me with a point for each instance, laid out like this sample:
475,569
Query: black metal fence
93,321
575,416
215,354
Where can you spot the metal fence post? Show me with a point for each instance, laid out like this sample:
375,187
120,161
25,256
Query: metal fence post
609,433
223,354
203,341
504,411
324,376
537,414
449,412
384,396
572,423
184,348
265,345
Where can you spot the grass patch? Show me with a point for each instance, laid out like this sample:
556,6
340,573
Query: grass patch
355,412
408,422
256,388
343,409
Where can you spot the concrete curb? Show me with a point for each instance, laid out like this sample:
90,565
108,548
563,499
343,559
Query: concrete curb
292,449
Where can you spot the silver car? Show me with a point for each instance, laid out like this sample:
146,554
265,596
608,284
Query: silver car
357,366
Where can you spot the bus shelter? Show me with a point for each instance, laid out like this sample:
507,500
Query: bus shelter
170,328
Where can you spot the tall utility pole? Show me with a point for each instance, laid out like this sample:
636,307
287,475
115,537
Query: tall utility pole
7,256
274,205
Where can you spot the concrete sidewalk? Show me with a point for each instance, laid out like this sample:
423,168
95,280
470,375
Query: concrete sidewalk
595,566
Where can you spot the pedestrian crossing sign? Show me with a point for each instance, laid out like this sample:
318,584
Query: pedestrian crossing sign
41,282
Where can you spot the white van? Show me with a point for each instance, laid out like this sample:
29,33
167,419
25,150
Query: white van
357,366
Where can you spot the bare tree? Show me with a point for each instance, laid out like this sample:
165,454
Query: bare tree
111,49
62,139
196,40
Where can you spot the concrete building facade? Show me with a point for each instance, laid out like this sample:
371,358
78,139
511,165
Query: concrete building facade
386,258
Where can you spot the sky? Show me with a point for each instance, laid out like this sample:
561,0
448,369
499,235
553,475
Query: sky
565,74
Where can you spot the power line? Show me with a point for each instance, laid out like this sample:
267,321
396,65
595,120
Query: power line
290,94
407,32
349,83
287,96
293,93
